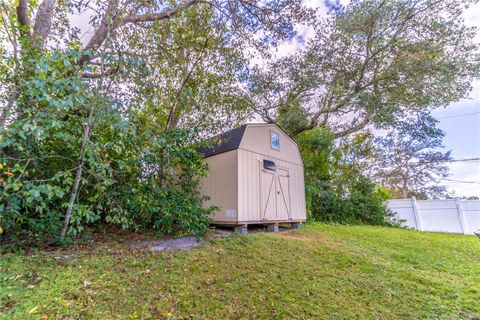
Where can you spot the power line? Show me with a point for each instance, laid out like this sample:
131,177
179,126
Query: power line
461,160
459,115
450,160
462,181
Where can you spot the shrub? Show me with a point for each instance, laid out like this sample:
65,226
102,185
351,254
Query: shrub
336,188
361,202
135,174
160,189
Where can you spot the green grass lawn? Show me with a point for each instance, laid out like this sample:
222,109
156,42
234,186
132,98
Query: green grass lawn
319,272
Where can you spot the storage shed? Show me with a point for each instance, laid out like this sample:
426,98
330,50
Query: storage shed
256,177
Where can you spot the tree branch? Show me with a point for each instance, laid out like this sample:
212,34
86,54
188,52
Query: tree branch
107,24
22,17
172,116
90,75
7,108
10,35
151,17
325,109
110,23
43,22
355,128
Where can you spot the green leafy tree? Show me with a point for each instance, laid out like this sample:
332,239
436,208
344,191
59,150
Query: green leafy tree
337,189
191,80
39,152
409,161
95,131
369,64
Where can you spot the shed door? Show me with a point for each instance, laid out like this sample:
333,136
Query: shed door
283,194
274,194
267,194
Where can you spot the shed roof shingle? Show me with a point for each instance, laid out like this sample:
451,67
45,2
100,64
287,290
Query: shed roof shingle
224,142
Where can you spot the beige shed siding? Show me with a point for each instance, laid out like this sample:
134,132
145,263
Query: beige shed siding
249,166
298,195
221,185
248,186
234,179
257,139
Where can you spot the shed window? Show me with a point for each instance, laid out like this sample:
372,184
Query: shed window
275,141
269,165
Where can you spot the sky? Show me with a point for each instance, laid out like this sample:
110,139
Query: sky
461,123
460,120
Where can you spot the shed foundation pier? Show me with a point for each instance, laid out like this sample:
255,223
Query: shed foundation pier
272,227
242,229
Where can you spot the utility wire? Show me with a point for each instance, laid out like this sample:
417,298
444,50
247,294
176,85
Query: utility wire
462,181
459,115
451,160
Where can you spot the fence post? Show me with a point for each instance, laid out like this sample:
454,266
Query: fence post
460,214
418,220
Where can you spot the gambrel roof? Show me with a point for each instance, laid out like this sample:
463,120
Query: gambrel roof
224,142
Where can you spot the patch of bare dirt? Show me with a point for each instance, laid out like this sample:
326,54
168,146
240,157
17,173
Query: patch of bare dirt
298,236
320,239
183,243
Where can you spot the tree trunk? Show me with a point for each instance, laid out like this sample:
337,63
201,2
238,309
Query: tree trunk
405,190
43,22
78,174
6,111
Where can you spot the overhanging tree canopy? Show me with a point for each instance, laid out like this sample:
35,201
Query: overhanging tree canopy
371,62
102,114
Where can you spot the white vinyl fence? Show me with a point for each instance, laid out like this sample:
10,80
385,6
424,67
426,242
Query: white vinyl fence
452,215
